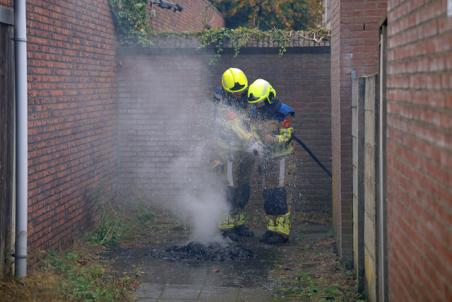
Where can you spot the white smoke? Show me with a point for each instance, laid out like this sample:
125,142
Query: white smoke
201,203
166,123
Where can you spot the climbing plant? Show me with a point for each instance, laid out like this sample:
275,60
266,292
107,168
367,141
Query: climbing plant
220,38
132,21
242,36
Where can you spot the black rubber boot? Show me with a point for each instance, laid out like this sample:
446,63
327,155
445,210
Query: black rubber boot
243,231
270,237
230,233
236,233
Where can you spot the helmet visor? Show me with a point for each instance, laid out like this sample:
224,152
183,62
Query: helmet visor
252,99
237,87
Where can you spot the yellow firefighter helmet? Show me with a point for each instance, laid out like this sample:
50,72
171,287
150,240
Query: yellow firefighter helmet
260,91
234,80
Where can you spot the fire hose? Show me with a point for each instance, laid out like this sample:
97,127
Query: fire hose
257,148
306,148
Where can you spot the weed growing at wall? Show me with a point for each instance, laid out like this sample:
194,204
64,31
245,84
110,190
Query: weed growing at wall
85,278
121,222
132,21
310,287
78,274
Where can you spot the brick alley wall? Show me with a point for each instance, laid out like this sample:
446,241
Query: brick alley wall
419,150
354,51
6,3
153,85
72,107
195,16
158,95
71,76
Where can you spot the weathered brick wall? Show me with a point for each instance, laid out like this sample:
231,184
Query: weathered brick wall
195,16
155,89
6,2
419,150
354,50
158,97
72,109
71,76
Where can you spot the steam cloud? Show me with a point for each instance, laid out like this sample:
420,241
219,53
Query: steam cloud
201,203
166,126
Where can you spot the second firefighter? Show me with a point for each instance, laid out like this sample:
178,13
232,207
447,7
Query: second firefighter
272,124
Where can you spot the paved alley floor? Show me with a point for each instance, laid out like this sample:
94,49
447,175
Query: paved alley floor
203,281
306,269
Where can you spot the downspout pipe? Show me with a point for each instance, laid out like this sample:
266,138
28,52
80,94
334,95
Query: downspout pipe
21,138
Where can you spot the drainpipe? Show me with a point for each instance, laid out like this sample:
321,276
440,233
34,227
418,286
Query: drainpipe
21,138
382,244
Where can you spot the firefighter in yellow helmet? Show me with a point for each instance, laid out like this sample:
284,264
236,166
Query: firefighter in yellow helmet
232,159
272,123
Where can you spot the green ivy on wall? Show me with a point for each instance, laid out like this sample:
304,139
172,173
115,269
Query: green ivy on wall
220,38
131,19
132,23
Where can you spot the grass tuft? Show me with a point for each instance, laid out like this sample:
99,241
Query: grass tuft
80,273
75,275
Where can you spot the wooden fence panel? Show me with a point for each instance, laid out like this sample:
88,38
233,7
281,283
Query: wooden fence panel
358,94
370,185
365,135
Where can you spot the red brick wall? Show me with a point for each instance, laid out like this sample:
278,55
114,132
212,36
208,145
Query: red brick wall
195,16
157,88
71,75
419,151
72,111
6,2
355,27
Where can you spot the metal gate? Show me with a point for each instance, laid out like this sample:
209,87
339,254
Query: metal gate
6,139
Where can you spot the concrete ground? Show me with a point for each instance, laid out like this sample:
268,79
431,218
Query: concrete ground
306,269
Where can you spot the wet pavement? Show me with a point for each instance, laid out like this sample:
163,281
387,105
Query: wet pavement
183,280
191,282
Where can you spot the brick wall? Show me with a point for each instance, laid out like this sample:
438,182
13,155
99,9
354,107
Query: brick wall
158,97
155,89
6,2
419,150
71,76
354,50
72,109
195,16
